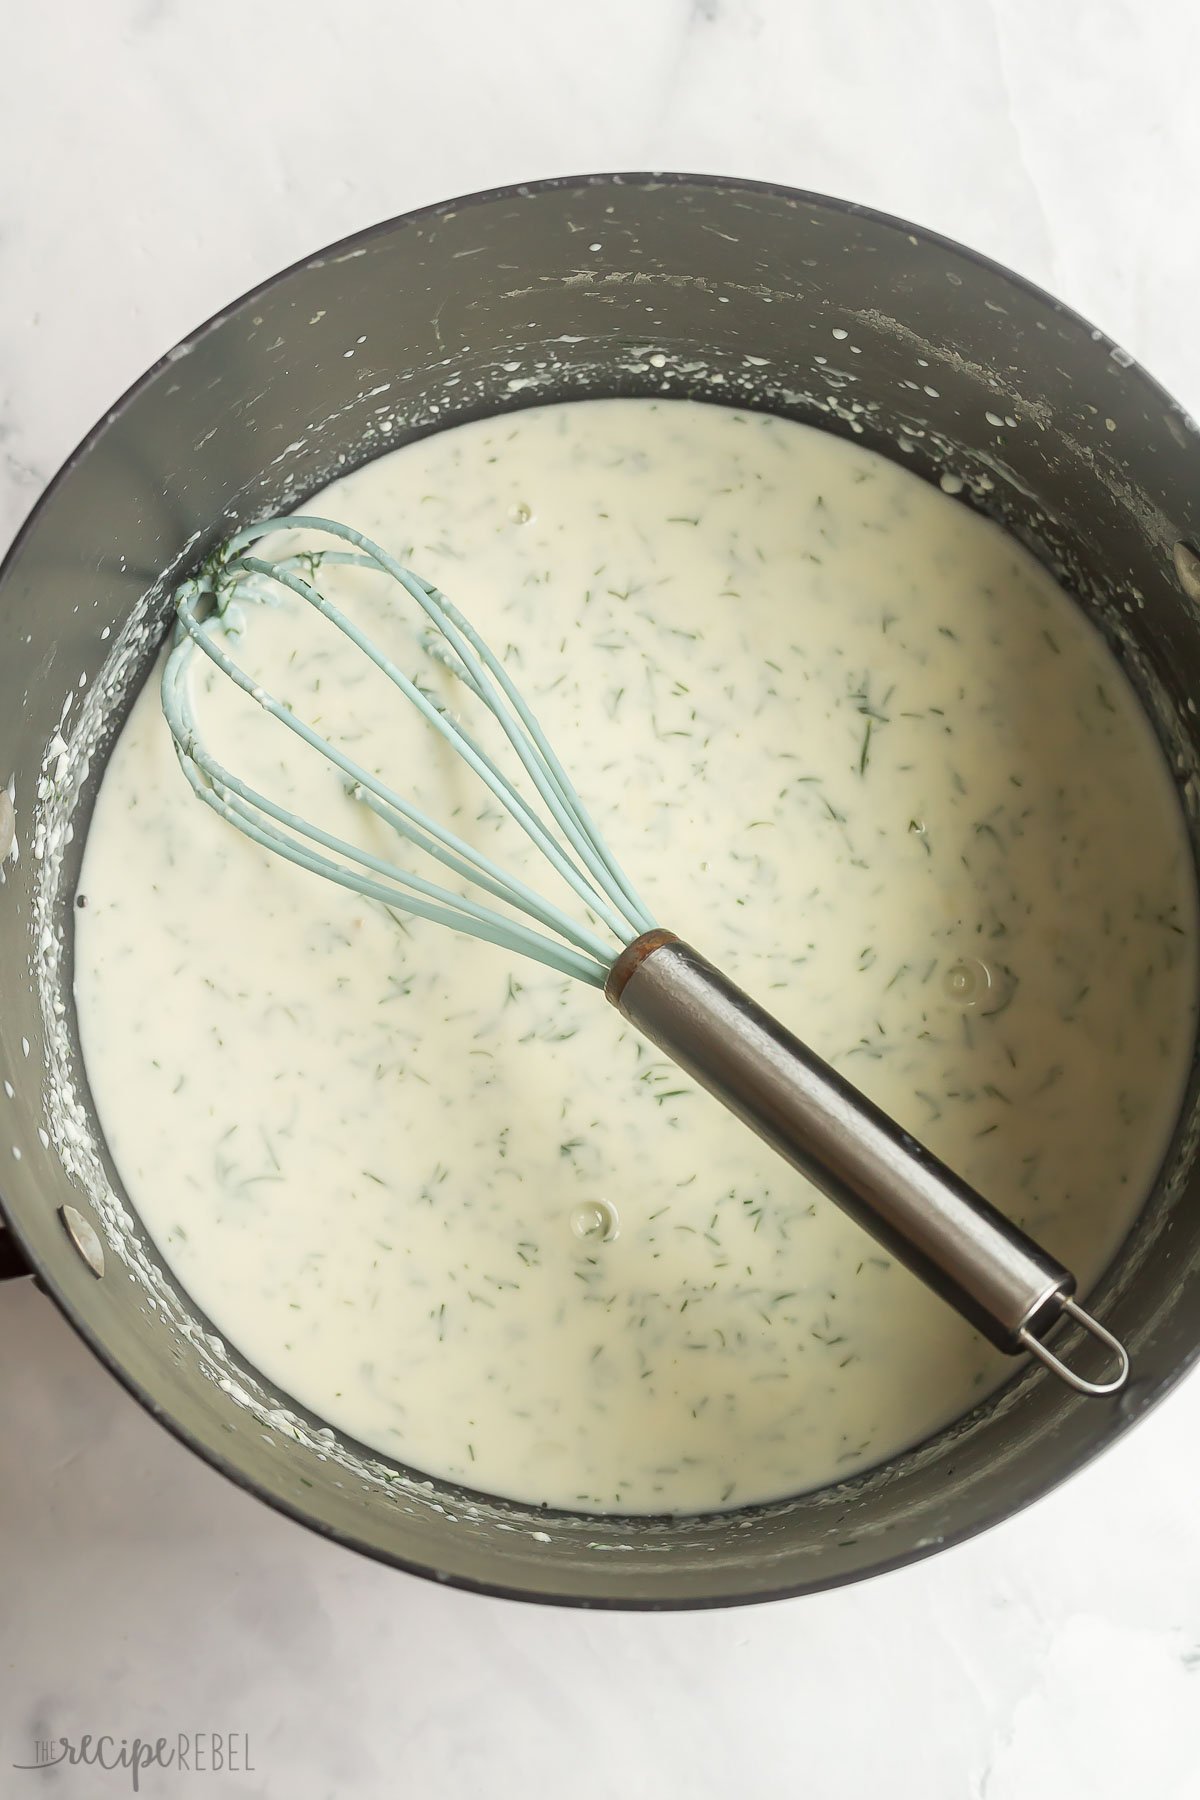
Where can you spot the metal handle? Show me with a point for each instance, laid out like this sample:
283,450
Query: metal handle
958,1243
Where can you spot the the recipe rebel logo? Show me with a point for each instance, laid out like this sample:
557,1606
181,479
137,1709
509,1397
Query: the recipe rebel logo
189,1753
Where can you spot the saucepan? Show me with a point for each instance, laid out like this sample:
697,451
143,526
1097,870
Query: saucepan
667,285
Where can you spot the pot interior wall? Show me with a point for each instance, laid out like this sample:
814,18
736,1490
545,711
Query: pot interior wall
651,286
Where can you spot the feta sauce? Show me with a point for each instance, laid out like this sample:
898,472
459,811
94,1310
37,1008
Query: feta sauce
848,739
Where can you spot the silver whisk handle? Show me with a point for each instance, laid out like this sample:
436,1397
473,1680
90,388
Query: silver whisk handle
958,1243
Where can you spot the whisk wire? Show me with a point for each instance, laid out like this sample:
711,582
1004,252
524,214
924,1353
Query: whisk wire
397,812
443,723
241,805
525,734
473,919
600,884
504,888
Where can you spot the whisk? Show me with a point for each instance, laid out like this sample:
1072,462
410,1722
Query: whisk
997,1277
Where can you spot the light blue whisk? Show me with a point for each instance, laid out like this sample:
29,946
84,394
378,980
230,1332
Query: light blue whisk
957,1242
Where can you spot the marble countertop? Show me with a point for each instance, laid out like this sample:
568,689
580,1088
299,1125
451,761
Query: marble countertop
185,149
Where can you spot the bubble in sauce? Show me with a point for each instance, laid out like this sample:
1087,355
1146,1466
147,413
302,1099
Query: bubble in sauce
978,986
595,1221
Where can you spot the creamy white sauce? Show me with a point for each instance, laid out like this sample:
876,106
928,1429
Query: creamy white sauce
848,739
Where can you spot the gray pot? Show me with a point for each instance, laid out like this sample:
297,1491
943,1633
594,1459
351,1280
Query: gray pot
598,286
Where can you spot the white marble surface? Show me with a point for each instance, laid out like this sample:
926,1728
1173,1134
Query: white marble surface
179,152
